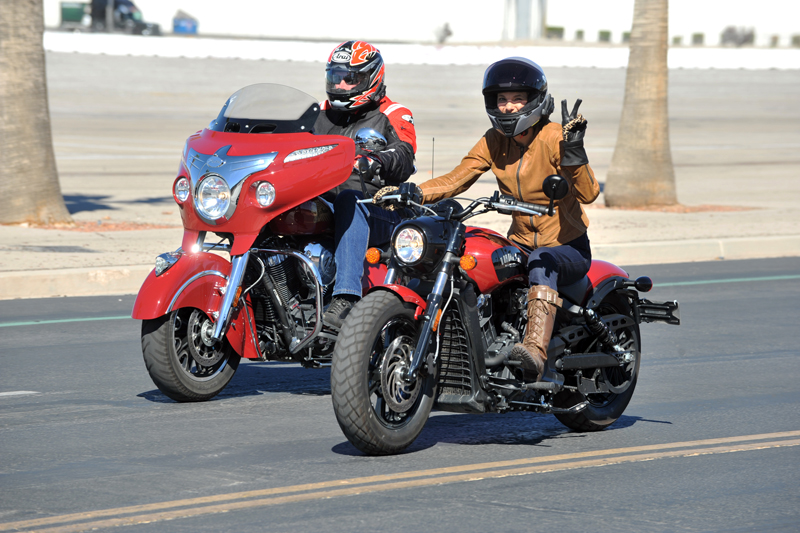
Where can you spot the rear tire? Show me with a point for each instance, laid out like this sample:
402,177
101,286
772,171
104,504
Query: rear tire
605,409
379,332
179,363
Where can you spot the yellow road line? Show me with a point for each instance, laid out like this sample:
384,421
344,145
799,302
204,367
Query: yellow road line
313,491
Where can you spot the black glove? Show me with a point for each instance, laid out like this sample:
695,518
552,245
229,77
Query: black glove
369,167
574,128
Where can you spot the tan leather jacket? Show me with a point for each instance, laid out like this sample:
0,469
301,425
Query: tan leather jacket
520,173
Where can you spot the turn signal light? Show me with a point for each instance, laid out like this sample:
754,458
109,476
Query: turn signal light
436,320
373,256
468,262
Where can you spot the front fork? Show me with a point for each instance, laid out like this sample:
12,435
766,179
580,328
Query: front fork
431,318
232,293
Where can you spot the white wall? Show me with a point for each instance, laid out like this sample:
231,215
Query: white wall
710,17
471,21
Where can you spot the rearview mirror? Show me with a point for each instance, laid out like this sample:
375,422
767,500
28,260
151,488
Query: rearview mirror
555,187
370,140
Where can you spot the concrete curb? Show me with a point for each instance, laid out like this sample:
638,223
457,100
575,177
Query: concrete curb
113,280
96,281
642,253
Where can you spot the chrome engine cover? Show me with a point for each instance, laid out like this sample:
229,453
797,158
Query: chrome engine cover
322,258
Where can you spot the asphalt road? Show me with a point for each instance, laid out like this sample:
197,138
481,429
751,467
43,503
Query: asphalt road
708,443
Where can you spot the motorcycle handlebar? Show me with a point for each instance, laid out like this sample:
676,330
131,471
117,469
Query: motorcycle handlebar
502,204
506,204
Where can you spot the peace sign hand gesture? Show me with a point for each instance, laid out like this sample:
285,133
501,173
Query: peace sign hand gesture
574,125
573,129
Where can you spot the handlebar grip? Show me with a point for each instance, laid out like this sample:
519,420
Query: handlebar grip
533,207
511,201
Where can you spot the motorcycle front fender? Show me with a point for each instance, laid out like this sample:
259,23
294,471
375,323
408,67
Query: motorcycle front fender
196,280
405,294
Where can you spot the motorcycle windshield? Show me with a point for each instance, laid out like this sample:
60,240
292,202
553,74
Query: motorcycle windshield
267,108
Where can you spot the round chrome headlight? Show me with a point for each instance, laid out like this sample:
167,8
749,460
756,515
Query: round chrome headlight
409,245
213,197
181,191
265,194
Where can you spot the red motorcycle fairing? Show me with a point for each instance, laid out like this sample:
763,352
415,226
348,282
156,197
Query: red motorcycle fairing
499,260
195,281
291,180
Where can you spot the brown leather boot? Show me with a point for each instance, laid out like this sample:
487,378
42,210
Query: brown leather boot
532,352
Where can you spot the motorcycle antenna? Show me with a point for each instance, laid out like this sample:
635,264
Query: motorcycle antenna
433,141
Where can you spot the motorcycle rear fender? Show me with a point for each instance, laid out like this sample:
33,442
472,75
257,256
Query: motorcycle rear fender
196,281
595,286
405,294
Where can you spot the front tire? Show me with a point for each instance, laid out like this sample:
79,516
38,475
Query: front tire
605,409
378,412
180,363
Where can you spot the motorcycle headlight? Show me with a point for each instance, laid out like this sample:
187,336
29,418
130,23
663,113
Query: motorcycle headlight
213,197
181,191
409,245
265,194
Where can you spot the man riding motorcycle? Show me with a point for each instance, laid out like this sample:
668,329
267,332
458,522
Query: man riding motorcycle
357,99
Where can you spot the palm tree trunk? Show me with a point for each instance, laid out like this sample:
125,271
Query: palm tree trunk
29,188
641,170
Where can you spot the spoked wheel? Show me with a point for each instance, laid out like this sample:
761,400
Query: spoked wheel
181,359
604,409
379,411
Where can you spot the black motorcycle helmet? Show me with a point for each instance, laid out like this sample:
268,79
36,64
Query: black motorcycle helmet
516,74
354,76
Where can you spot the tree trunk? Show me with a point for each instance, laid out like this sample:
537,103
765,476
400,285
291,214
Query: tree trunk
641,170
29,188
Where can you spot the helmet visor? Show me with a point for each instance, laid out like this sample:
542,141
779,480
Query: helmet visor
510,75
341,80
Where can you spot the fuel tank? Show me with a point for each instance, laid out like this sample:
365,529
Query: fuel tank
500,261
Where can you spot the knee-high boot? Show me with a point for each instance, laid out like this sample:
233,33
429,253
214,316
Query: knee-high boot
532,352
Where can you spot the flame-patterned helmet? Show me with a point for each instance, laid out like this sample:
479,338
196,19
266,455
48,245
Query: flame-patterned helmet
354,75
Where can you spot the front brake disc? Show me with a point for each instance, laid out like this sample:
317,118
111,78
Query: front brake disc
205,352
399,394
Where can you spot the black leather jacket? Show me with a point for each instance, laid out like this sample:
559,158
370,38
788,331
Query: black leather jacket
391,120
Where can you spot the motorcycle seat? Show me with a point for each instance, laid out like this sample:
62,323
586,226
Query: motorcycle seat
576,291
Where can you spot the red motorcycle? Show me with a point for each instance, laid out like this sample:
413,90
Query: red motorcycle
252,178
443,337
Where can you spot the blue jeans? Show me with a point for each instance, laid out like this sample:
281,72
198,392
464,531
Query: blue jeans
357,226
560,265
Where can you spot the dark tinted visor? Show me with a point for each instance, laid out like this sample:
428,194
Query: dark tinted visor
514,75
340,79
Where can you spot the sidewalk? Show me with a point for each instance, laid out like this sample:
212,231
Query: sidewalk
89,263
118,135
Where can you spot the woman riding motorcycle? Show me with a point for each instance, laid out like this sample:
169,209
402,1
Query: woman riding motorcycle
522,149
